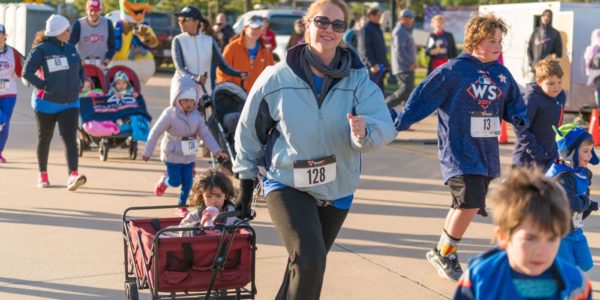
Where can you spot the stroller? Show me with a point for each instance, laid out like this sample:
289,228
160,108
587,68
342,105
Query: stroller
193,267
110,108
226,105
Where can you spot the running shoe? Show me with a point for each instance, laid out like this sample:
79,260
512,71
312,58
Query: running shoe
160,187
447,266
2,159
75,181
43,180
181,212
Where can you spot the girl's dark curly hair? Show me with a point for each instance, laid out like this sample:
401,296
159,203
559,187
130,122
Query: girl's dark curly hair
208,180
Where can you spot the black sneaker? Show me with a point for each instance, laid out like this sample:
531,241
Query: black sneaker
447,266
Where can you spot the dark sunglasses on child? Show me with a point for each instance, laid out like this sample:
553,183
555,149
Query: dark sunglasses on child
323,22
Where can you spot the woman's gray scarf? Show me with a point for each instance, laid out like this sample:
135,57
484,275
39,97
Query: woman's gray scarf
339,68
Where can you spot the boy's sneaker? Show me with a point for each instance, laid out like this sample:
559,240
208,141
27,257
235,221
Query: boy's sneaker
447,266
181,212
160,187
43,180
2,159
75,181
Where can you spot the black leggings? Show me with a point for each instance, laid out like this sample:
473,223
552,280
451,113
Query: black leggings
308,232
68,122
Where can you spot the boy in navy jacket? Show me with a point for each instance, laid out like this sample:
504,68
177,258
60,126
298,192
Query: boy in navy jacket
472,93
576,150
531,214
545,101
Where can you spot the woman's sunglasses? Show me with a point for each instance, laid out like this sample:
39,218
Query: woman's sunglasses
323,22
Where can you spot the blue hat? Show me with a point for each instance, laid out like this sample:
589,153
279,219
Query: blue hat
568,139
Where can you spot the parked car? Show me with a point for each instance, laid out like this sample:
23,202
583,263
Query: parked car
281,22
165,29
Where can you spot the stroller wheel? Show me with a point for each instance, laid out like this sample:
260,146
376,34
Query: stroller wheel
103,149
81,146
131,290
133,149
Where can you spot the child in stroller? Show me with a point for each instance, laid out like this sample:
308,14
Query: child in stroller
112,120
121,86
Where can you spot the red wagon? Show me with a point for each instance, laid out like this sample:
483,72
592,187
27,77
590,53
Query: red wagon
209,266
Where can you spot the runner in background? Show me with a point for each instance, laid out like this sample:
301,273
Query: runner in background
94,36
11,63
54,69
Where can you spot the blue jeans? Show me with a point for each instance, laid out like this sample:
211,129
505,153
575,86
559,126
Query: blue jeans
7,105
181,174
574,248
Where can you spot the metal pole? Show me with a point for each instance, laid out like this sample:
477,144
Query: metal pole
394,12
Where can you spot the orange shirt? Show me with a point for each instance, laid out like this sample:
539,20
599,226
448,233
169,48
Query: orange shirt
236,55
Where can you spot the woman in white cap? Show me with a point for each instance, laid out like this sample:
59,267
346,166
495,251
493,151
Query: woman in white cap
247,53
11,62
196,53
53,67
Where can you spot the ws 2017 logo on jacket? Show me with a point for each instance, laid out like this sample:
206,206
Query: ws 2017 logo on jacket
484,90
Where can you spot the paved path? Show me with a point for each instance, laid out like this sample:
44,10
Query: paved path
63,245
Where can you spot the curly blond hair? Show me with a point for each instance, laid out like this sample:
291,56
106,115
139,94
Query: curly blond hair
481,27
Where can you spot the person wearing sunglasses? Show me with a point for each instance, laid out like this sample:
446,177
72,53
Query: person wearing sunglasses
223,30
308,119
371,47
196,53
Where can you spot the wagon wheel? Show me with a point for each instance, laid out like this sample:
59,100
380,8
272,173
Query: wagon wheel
103,149
133,149
131,290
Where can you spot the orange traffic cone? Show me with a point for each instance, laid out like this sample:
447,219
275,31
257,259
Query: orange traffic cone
594,129
503,138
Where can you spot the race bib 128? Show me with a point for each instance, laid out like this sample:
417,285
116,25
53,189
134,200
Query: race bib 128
314,172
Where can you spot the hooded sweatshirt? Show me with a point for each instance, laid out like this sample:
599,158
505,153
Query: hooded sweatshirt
462,88
543,42
536,144
575,180
178,125
490,277
592,57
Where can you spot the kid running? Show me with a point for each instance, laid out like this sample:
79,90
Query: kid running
212,190
183,124
11,64
530,215
472,93
545,101
576,149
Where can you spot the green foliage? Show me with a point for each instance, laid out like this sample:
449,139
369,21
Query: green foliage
422,58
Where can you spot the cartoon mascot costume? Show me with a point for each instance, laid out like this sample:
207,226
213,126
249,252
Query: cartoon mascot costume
134,39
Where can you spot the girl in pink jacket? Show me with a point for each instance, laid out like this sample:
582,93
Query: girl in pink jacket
183,127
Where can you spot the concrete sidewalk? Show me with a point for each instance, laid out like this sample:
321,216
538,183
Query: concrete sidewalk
65,245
